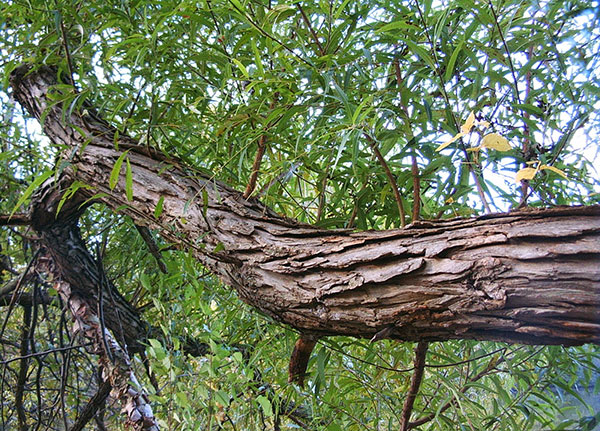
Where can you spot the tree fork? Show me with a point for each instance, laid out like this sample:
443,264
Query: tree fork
529,277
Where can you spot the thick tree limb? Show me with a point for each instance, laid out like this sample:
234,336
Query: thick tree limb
529,277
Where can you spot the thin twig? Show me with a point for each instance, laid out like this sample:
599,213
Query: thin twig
510,63
92,406
415,383
260,152
152,247
23,369
390,177
492,364
310,28
416,209
269,36
15,220
66,46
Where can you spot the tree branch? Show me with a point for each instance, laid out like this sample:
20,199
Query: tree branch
415,383
15,220
92,406
390,177
478,278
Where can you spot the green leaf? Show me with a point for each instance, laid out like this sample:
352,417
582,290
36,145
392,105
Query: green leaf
241,67
116,170
29,190
396,25
420,52
450,68
204,202
70,192
159,207
265,404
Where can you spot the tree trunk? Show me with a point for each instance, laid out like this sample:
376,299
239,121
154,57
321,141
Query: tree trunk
529,277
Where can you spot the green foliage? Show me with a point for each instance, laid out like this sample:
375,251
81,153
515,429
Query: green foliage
206,81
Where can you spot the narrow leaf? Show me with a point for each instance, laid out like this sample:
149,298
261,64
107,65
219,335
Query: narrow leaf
34,185
468,124
452,62
159,207
525,174
455,138
241,67
555,170
128,181
116,170
265,404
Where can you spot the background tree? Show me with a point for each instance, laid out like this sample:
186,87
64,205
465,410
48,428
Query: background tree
331,114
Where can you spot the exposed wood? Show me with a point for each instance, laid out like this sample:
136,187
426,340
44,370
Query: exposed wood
529,277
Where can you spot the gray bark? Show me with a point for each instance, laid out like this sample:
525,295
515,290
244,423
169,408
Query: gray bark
528,277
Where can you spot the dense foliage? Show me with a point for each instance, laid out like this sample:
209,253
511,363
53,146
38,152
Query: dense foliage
349,101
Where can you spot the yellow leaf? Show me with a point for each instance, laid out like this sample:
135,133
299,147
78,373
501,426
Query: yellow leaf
555,170
495,141
483,124
445,144
525,174
468,125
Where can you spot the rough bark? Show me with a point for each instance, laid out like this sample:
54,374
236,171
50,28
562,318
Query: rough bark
530,277
94,303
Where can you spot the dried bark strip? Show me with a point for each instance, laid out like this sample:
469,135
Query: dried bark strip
529,277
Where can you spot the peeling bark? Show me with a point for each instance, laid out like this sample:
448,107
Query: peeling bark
529,277
94,303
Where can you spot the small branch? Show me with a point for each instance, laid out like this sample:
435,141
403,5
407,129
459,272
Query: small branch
65,45
262,141
510,63
492,364
310,28
152,247
322,195
390,177
416,209
415,383
23,368
15,220
17,289
262,145
92,407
